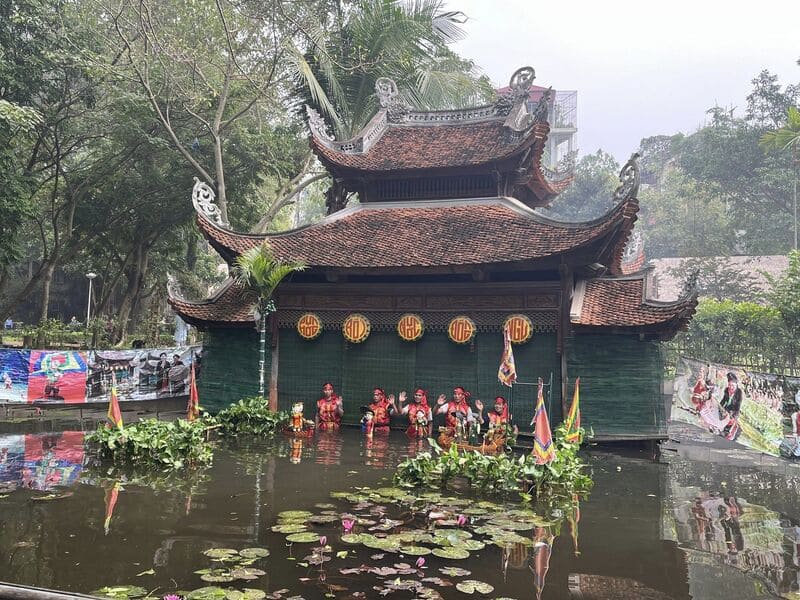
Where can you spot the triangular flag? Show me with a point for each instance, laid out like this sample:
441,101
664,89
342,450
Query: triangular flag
543,448
573,422
507,373
193,409
114,413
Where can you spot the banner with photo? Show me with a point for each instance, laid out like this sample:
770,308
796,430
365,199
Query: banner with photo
14,365
758,410
77,377
40,461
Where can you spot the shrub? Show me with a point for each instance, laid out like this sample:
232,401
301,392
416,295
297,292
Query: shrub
250,416
152,443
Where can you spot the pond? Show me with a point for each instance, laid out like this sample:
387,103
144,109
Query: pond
672,528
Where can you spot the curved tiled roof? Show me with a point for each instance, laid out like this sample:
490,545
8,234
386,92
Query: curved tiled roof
623,302
425,234
230,305
409,147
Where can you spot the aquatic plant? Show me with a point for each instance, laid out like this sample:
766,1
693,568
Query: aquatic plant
250,416
153,443
501,473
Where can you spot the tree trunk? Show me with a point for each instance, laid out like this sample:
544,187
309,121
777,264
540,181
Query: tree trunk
46,281
133,289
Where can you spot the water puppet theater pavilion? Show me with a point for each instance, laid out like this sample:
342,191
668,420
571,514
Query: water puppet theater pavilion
412,284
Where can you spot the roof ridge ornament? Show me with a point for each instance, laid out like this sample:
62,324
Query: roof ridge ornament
542,110
174,288
389,99
203,201
521,81
317,125
628,180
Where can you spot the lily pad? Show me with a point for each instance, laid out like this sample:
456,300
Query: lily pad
352,538
470,545
121,591
289,528
305,537
381,544
453,553
246,594
455,572
221,553
470,586
246,573
322,519
219,576
206,593
294,515
254,552
415,550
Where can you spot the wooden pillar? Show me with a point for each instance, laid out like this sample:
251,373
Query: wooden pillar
273,371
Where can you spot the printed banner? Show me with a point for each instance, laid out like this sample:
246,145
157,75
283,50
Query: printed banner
72,377
740,405
14,375
57,376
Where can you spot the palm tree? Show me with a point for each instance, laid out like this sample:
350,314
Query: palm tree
405,41
782,139
260,272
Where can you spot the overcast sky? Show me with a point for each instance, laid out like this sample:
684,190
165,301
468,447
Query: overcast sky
641,68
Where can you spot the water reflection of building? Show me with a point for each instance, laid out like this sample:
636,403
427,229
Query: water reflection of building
600,587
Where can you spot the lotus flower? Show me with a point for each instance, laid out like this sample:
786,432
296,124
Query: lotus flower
323,541
347,524
461,520
420,562
172,597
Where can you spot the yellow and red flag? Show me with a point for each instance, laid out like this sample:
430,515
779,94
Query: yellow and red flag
543,448
111,496
573,423
193,408
507,373
114,413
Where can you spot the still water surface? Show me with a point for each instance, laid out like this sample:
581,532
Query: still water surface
668,529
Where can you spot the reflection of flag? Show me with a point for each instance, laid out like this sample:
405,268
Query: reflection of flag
574,517
114,413
111,496
507,374
542,549
193,409
573,423
542,438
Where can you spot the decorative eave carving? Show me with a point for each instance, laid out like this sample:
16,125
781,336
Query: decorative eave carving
628,180
174,288
203,201
565,169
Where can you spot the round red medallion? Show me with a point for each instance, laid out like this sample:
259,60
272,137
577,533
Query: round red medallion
410,327
355,328
309,326
461,330
520,328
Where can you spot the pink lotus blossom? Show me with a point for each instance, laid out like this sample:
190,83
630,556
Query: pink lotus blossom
172,597
420,562
347,524
323,541
461,520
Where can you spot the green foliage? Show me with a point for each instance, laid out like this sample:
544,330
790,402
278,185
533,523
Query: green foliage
739,333
250,416
503,473
590,195
152,443
785,295
405,41
261,272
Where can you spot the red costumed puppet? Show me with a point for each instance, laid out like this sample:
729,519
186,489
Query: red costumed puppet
419,415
